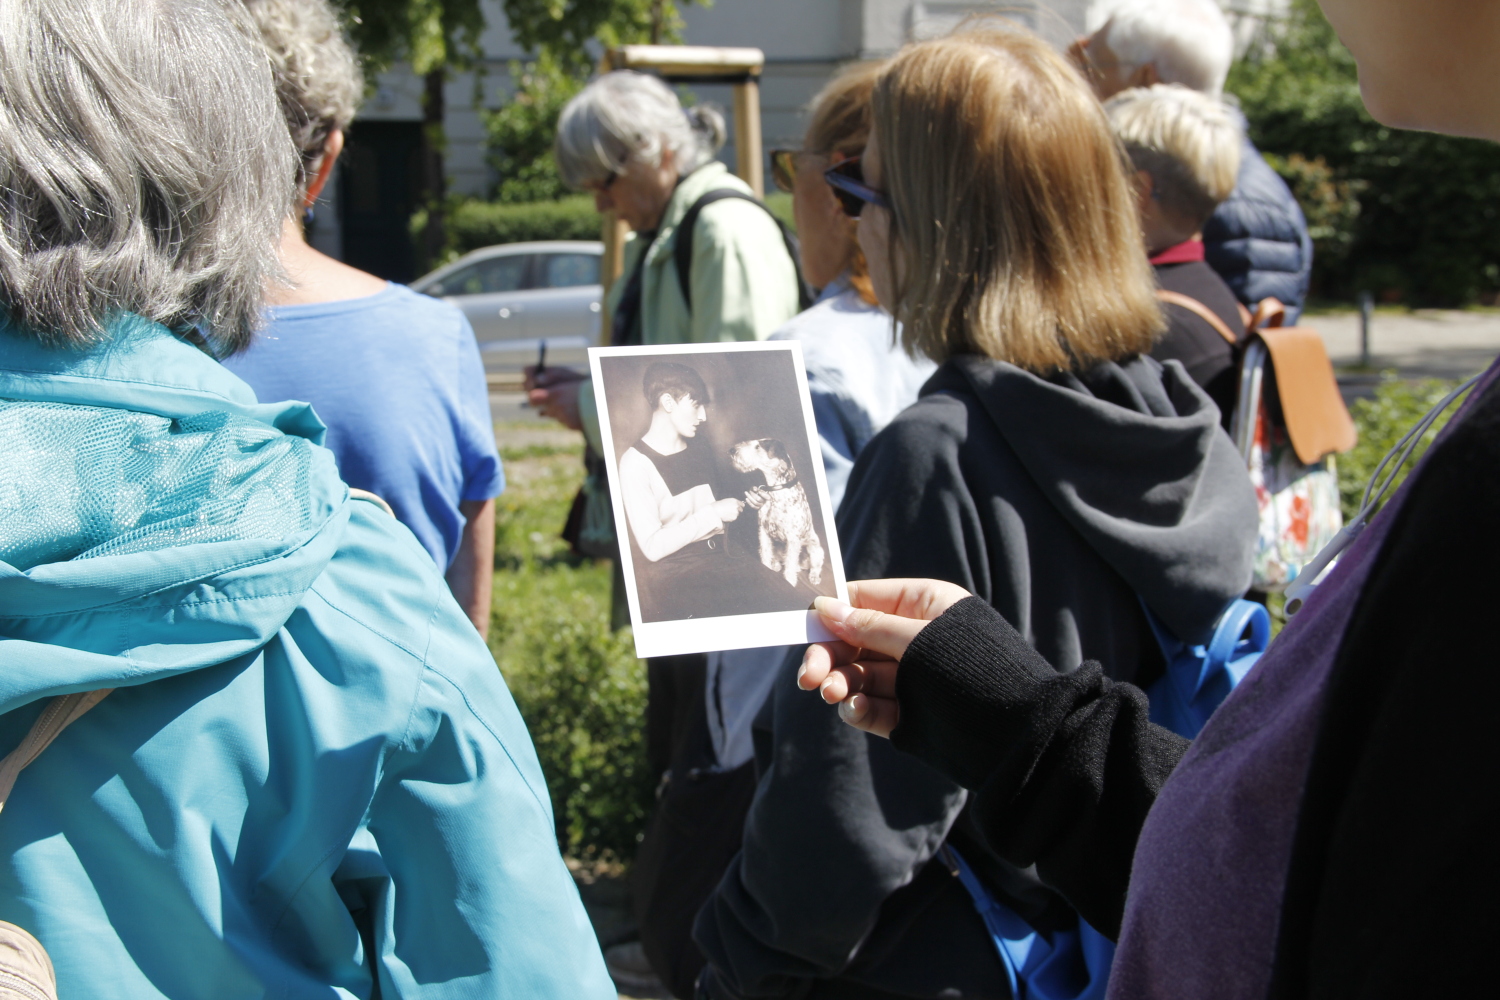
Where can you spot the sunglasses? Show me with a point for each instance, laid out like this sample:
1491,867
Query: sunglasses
848,182
784,168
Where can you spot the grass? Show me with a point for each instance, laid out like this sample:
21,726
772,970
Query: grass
577,683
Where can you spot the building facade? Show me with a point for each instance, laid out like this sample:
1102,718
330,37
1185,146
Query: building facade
368,207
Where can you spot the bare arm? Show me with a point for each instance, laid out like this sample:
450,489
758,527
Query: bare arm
646,499
471,577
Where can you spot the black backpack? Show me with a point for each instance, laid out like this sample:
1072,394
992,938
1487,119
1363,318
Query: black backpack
682,253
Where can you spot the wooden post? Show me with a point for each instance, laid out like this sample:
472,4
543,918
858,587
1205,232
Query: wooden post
749,161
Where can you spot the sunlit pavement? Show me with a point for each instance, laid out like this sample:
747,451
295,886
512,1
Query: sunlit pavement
1423,343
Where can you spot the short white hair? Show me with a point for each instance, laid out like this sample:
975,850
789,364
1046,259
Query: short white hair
1187,141
317,74
1189,41
624,116
144,168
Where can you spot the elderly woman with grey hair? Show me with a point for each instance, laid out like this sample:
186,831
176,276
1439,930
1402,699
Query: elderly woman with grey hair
627,140
299,773
395,375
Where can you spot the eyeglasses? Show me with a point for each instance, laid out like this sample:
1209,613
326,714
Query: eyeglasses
784,168
848,182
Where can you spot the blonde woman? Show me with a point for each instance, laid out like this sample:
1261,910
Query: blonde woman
1050,467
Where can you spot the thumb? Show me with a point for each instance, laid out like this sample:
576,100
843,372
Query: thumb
868,629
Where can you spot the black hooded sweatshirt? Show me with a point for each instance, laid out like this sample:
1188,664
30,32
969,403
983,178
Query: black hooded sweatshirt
1063,502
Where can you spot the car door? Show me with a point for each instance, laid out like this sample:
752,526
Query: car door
565,308
492,294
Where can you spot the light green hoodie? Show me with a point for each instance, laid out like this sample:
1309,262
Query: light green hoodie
744,282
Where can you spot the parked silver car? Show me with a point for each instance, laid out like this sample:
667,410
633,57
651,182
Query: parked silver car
519,294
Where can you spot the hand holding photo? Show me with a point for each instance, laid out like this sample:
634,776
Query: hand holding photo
721,507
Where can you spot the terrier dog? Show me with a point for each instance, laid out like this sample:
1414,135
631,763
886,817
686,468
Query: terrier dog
788,542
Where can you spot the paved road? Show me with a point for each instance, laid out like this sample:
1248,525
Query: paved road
1425,343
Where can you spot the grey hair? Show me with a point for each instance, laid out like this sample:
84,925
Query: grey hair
1187,141
144,168
318,79
1189,41
624,116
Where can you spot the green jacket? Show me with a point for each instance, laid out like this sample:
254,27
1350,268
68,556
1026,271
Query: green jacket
744,282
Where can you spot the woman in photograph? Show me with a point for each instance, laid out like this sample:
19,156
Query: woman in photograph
1050,467
1330,833
676,523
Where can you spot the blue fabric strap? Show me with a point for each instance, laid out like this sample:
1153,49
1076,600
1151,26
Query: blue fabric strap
1066,965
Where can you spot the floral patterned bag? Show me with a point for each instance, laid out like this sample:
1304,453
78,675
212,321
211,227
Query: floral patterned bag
1289,421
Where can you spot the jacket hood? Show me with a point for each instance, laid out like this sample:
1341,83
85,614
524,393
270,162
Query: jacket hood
1133,457
154,518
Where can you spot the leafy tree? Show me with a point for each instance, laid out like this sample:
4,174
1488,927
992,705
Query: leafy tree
521,132
562,33
436,37
1408,212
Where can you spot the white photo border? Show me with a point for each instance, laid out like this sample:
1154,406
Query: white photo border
708,635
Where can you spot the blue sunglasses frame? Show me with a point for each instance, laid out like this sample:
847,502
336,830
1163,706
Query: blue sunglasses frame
853,193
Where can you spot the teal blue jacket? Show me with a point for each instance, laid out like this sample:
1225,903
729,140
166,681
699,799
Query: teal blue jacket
310,775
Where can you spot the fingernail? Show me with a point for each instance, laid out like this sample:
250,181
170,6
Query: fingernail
852,708
833,609
800,671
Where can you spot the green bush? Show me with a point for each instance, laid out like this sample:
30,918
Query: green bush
1427,224
582,693
475,224
1382,421
578,684
521,132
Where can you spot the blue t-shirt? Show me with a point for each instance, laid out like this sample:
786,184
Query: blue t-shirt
397,378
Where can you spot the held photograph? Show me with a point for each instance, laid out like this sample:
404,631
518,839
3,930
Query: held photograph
721,507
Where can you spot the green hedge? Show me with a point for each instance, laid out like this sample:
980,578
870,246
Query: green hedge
475,224
1409,215
578,684
1384,420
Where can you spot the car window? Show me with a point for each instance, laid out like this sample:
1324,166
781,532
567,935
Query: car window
496,274
569,270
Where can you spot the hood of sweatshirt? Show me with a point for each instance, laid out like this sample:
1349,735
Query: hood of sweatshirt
1133,456
154,518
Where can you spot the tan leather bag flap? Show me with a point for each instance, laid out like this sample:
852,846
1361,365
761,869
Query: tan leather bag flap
1317,420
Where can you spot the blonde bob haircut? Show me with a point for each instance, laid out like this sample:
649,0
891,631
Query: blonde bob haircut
1014,232
1188,142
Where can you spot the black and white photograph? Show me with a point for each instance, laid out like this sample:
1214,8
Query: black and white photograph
721,508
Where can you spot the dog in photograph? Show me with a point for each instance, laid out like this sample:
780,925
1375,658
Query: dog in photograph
788,542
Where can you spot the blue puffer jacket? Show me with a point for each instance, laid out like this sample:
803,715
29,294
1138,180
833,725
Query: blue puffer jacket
1257,240
309,780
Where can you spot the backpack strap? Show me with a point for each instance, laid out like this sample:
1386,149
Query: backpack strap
1269,314
682,251
1200,310
60,713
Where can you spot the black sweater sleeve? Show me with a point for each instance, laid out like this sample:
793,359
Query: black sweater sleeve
1063,767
